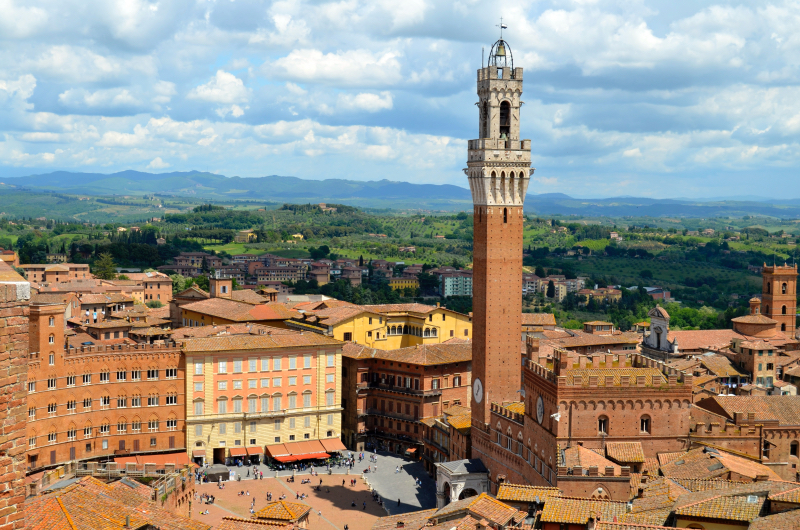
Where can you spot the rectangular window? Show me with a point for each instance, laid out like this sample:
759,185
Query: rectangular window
265,364
171,373
237,405
105,377
31,387
172,424
331,360
136,401
291,425
222,367
329,396
152,401
222,385
198,368
252,383
264,404
435,384
237,366
237,428
276,381
122,375
306,400
329,378
306,361
222,407
198,408
51,383
293,362
172,399
152,374
198,387
265,383
122,402
136,375
306,379
293,381
222,428
277,425
330,420
292,401
87,379
136,426
276,403
276,363
253,365
251,404
70,380
237,385
307,421
198,430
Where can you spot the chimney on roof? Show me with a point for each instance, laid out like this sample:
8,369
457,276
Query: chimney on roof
127,522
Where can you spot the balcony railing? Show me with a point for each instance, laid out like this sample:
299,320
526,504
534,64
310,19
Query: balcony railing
400,389
386,414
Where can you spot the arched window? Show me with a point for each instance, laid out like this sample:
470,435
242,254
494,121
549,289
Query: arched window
766,309
51,339
485,120
783,310
505,120
602,425
427,332
505,215
644,424
793,449
433,332
768,287
783,288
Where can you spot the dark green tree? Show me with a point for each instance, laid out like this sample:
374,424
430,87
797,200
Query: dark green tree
551,289
104,267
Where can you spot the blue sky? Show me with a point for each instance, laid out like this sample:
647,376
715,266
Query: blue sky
648,98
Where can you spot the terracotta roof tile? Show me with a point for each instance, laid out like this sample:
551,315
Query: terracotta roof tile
617,373
703,338
283,511
411,521
91,504
581,456
237,523
524,493
720,366
424,354
625,452
604,525
462,422
778,521
785,409
259,342
732,508
240,311
577,511
666,458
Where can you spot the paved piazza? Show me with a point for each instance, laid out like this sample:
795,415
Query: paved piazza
334,501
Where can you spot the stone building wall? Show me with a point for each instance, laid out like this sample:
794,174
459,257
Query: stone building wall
13,404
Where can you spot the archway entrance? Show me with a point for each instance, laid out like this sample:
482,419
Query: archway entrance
219,455
467,493
447,493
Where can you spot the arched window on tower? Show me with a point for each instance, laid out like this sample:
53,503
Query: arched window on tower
783,310
783,327
766,310
783,288
505,215
768,287
505,120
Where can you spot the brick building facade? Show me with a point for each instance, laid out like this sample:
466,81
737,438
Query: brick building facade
387,393
14,295
98,401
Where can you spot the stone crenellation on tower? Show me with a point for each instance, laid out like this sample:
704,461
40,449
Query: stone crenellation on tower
498,170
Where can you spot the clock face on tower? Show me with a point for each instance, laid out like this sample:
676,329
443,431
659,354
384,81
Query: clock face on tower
477,390
539,409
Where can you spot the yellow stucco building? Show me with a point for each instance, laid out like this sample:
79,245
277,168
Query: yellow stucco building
403,283
386,327
248,392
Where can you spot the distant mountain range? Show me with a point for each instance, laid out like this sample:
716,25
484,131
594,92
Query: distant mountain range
376,194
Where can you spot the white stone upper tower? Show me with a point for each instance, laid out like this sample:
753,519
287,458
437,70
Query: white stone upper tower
499,163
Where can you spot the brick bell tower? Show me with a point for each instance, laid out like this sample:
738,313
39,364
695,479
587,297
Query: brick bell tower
779,296
498,170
